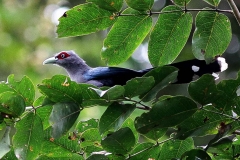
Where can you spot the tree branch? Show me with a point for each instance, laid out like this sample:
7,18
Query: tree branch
235,10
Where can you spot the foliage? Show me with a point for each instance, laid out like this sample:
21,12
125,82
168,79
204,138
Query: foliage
47,127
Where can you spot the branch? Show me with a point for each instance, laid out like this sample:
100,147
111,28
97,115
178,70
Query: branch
235,10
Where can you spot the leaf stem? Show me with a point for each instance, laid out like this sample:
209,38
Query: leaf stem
235,10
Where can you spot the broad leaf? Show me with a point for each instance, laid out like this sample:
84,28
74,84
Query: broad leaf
63,117
84,125
145,151
141,5
195,154
211,36
61,89
97,157
175,148
114,116
138,86
156,133
90,137
111,93
12,104
125,36
166,113
181,2
84,19
61,148
202,123
130,124
169,36
111,5
214,3
120,142
28,139
163,76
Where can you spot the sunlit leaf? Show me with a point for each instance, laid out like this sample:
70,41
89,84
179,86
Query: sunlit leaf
211,36
125,36
141,5
111,5
84,19
169,35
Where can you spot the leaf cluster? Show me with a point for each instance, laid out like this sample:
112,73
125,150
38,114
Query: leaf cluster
47,127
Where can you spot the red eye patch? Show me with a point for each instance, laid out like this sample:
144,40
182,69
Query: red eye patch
62,55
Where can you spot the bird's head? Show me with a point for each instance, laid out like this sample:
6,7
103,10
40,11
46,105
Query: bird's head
65,59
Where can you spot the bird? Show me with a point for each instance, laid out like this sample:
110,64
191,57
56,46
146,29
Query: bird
80,72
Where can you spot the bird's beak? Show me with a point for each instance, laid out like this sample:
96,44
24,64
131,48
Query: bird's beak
51,60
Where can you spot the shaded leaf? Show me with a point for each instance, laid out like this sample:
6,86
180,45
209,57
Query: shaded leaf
195,154
12,104
141,5
111,93
175,148
84,19
114,116
84,125
28,138
156,133
169,36
214,3
120,142
211,36
111,5
63,117
138,86
166,113
163,76
125,36
202,123
130,124
145,151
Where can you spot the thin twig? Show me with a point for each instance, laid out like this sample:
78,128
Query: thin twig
235,10
183,10
226,115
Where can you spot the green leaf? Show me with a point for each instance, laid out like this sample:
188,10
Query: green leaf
166,113
141,5
156,133
138,86
175,148
111,5
10,155
130,124
5,142
84,125
84,19
61,148
114,116
145,151
12,104
24,87
211,36
125,36
181,2
90,137
169,36
202,123
163,76
195,154
61,89
97,157
63,117
111,93
214,3
120,142
28,138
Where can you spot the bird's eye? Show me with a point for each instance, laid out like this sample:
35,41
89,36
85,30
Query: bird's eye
63,55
